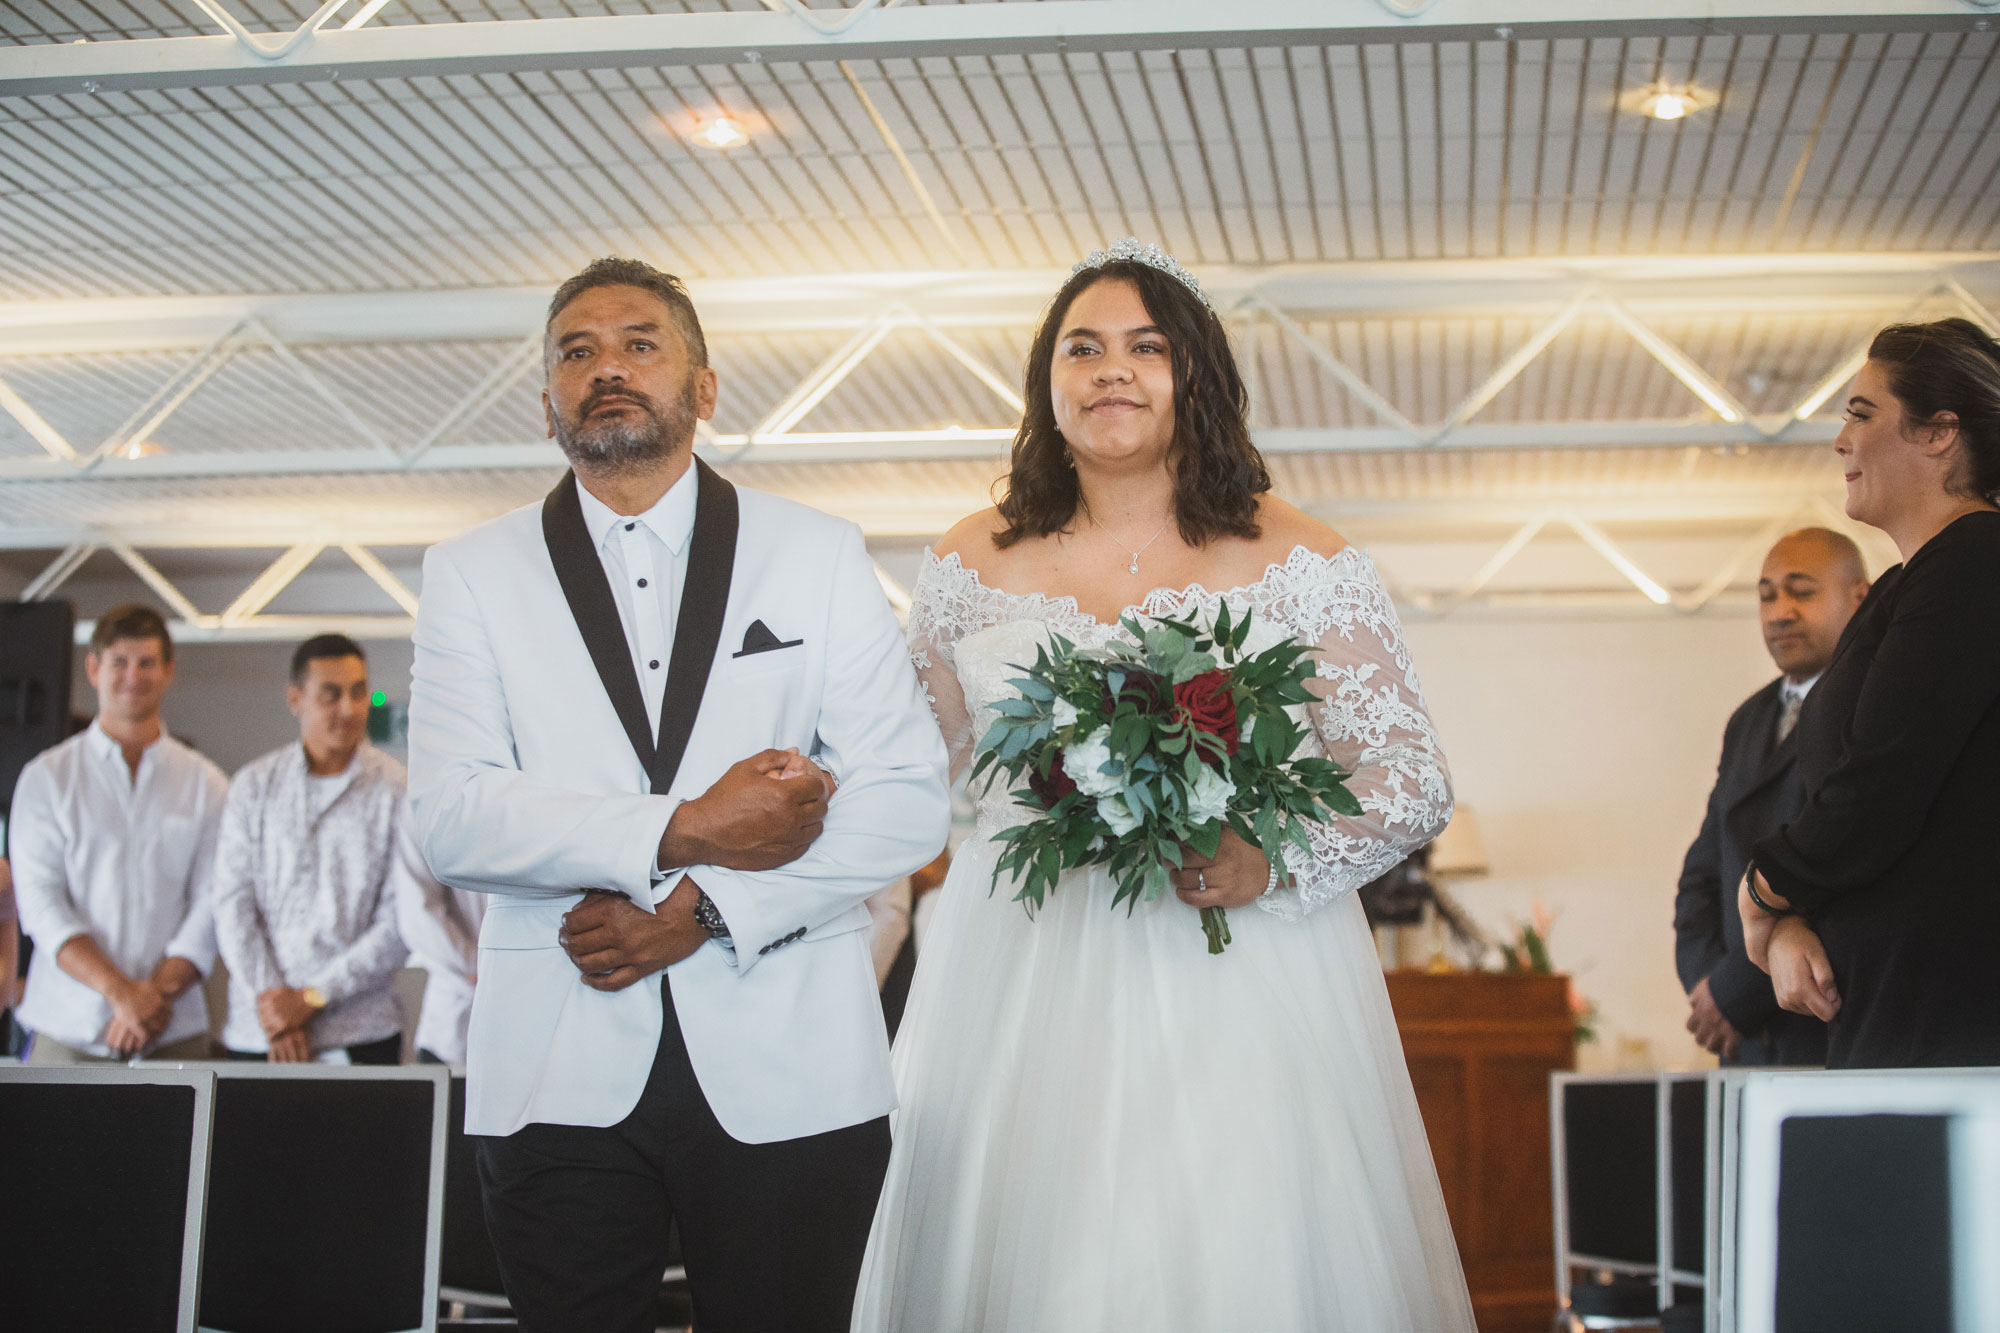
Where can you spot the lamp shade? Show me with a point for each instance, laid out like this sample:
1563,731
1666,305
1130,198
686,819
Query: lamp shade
1459,850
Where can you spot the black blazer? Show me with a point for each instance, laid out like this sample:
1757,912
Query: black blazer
1756,792
1895,857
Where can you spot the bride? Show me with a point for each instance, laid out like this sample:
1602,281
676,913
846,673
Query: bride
1104,1128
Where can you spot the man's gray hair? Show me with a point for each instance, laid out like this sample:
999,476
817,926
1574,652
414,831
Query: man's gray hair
614,271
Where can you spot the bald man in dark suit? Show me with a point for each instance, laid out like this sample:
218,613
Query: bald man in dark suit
1811,584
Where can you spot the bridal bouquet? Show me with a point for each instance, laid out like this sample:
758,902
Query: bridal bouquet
1128,753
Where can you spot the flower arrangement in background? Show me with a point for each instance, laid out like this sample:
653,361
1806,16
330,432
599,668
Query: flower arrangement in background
1528,951
1129,753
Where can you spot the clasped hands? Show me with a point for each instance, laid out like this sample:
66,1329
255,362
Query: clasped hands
141,1008
284,1015
1789,950
761,814
1235,876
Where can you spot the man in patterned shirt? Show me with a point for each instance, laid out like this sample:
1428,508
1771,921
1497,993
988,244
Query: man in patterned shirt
305,870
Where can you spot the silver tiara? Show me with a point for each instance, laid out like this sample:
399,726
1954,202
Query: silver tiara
1152,256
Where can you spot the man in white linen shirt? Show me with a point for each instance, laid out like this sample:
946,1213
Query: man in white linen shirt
676,1020
305,904
111,835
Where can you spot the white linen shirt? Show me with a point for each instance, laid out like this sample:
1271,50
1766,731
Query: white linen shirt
119,856
305,897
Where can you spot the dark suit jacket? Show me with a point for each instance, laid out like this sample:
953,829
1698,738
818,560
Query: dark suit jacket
1756,792
1895,857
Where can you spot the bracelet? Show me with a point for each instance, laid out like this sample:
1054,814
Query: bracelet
1271,884
1750,885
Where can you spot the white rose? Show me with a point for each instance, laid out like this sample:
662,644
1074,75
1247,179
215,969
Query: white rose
1084,761
1065,714
1208,798
1114,812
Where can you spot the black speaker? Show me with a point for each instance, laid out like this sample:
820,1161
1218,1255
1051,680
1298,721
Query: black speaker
36,642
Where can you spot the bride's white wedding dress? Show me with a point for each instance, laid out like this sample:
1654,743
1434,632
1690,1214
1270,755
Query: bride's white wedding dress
1106,1129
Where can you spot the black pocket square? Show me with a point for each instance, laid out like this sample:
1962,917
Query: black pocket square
759,639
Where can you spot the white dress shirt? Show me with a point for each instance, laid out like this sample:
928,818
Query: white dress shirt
304,895
1791,697
645,561
123,858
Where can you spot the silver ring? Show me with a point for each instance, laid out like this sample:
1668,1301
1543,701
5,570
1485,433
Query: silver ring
1201,881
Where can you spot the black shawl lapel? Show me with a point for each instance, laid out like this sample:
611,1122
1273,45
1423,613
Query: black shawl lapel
704,601
588,592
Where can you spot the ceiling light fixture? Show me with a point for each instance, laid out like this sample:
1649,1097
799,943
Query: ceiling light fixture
721,133
1669,105
1664,101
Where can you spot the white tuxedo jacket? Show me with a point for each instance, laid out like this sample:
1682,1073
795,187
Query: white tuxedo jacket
526,787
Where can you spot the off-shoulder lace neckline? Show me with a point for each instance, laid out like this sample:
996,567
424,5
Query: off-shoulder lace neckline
1300,559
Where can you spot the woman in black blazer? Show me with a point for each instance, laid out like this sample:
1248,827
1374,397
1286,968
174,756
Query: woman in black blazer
1878,908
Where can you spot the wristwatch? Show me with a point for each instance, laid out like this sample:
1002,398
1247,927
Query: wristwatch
314,997
709,917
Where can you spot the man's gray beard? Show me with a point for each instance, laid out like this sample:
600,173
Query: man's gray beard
625,445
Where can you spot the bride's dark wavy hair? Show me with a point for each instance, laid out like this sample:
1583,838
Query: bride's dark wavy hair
1218,473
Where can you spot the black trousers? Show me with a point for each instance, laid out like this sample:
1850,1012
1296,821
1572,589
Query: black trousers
772,1234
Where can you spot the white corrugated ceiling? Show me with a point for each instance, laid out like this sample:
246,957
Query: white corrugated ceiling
1245,160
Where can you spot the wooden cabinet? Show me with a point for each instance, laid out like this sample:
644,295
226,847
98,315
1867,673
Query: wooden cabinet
1481,1047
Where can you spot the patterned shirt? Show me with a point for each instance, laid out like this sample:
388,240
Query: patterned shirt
305,896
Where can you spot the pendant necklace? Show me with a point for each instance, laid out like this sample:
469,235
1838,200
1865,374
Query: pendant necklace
1132,568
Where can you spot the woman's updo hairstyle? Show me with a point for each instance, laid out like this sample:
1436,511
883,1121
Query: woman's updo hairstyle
1950,365
1218,473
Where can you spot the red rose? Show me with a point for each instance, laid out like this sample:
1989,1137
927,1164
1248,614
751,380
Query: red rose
1141,690
1052,788
1210,708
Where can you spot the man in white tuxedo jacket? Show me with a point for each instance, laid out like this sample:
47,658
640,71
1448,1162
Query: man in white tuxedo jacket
615,698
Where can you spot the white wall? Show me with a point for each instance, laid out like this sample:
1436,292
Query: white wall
1587,749
228,700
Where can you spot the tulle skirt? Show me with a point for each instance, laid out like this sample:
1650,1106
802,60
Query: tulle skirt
1105,1129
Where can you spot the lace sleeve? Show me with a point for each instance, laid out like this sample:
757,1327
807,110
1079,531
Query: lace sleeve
1372,721
944,607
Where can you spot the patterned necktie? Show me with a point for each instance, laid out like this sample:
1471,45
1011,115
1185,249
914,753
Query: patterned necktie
1789,718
